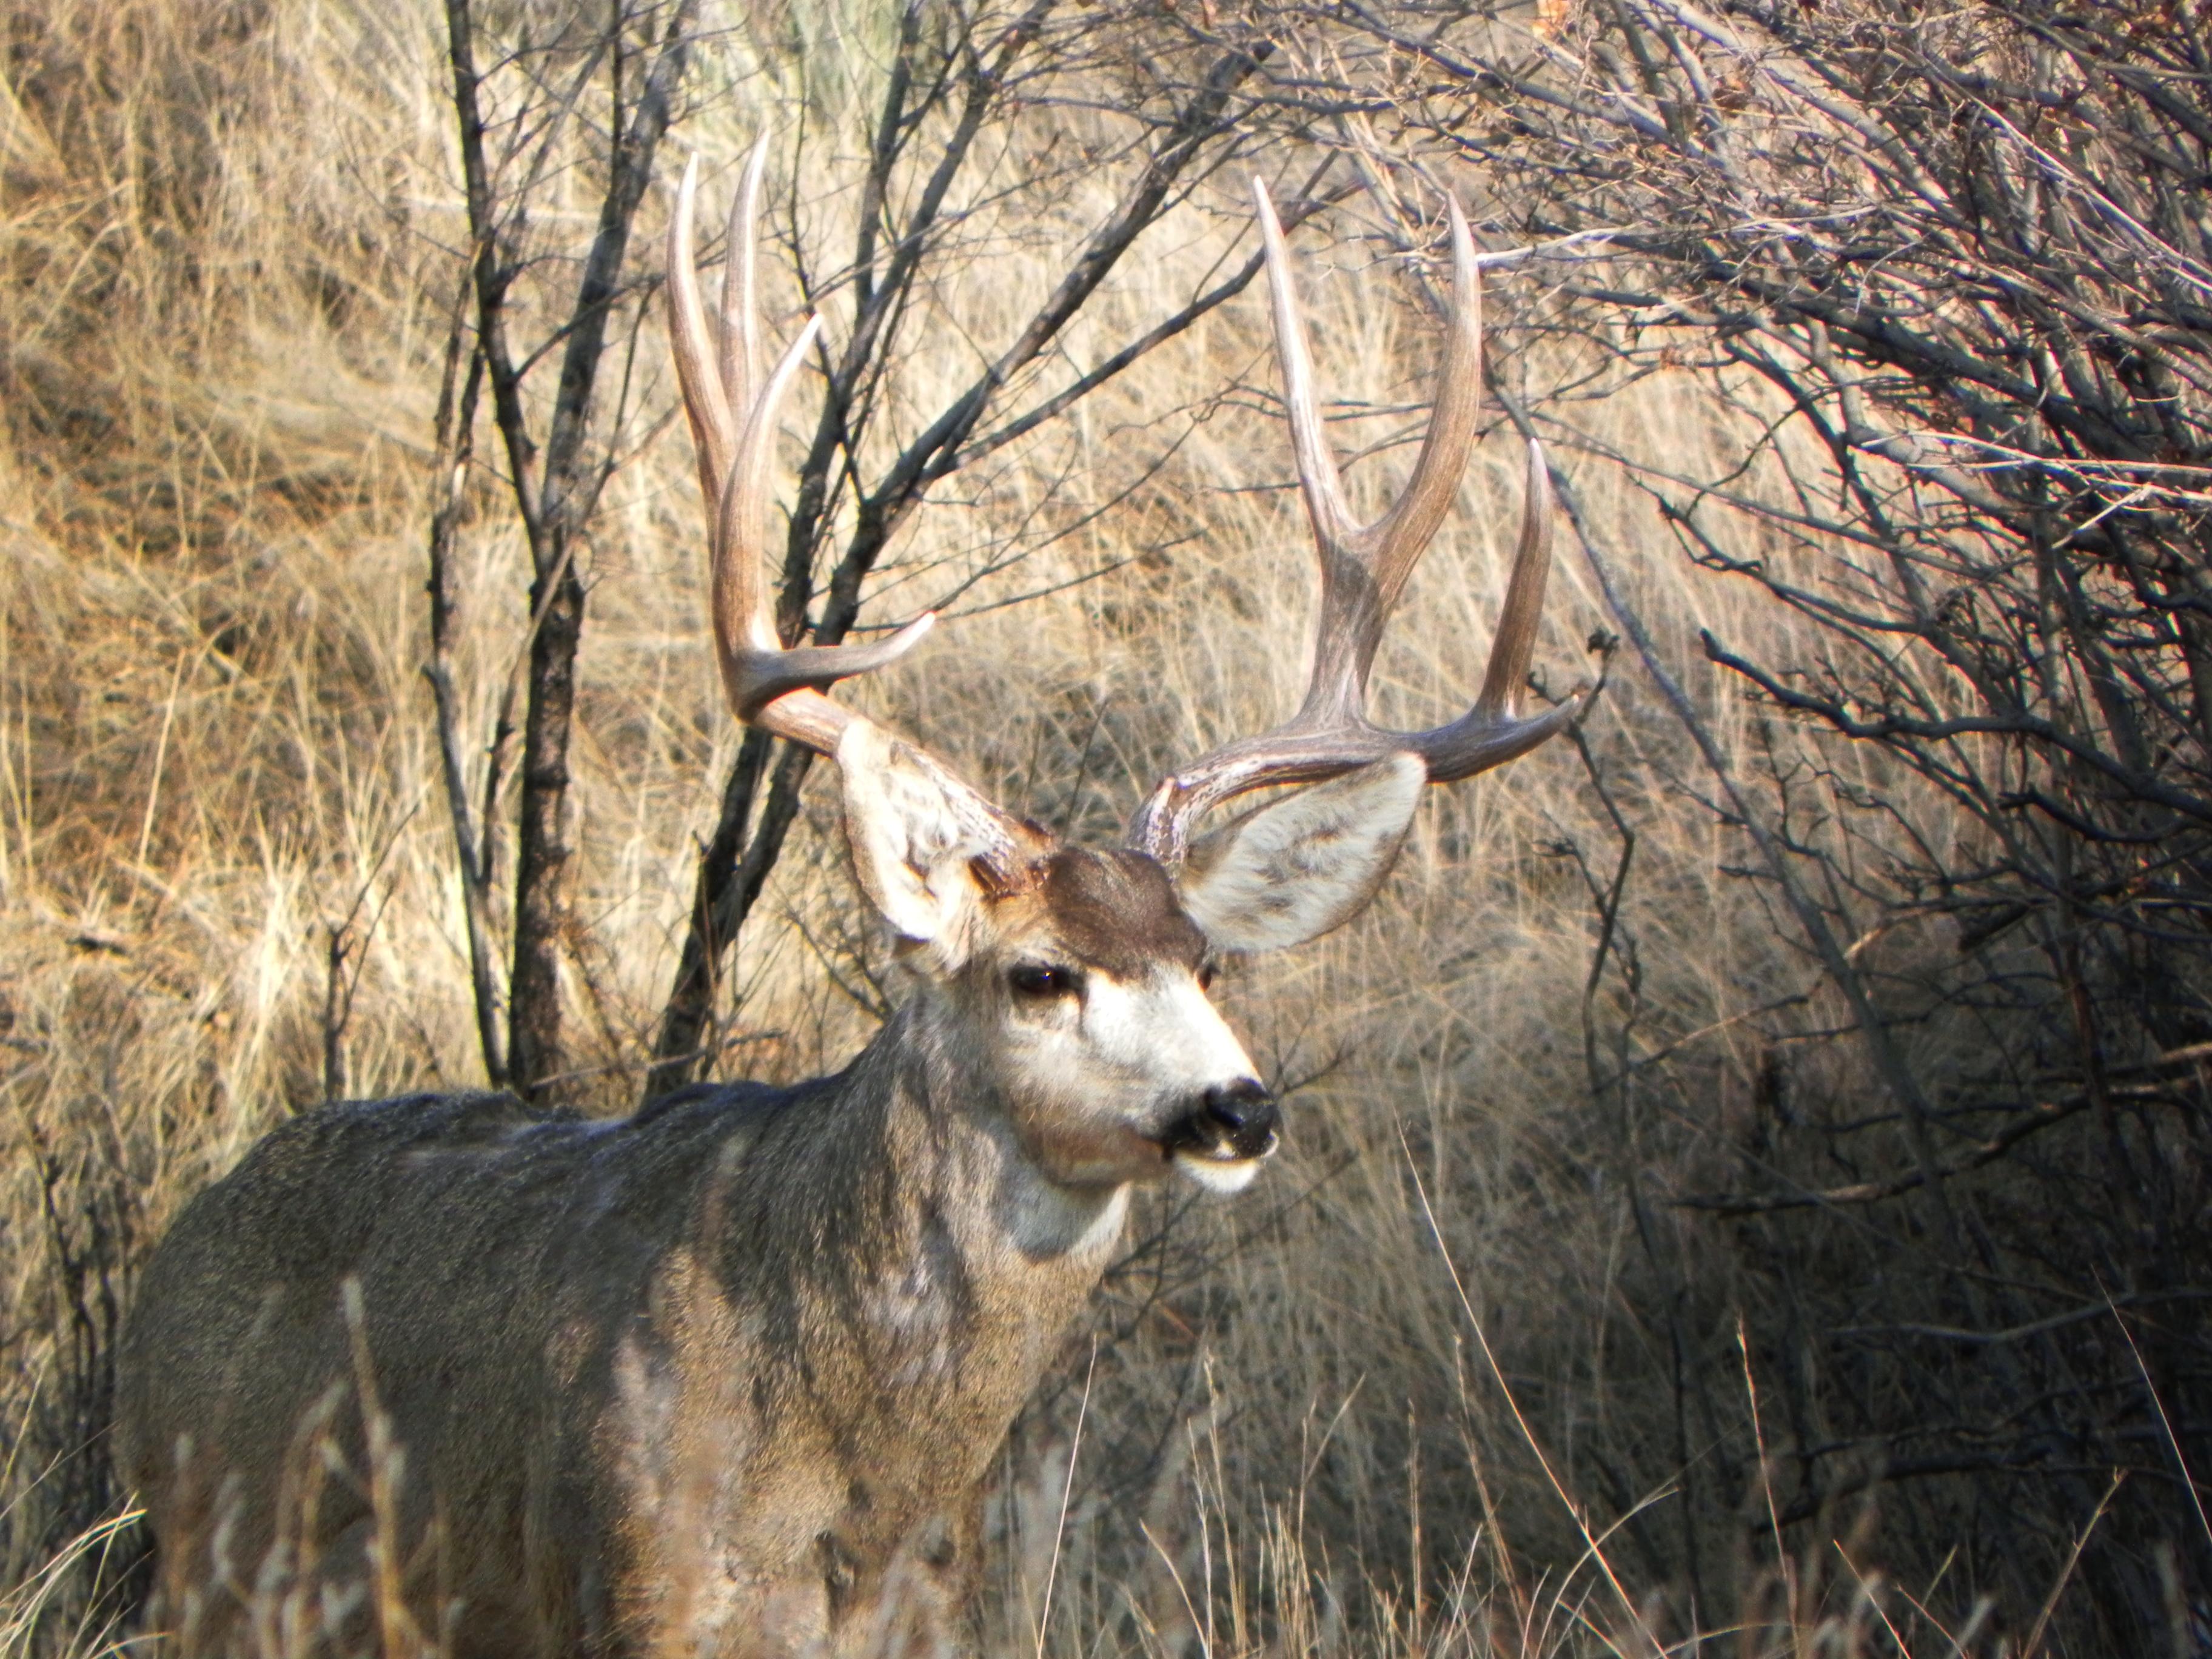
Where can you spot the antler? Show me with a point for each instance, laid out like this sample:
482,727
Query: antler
733,413
1364,570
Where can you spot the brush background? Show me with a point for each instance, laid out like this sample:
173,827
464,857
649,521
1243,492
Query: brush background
226,239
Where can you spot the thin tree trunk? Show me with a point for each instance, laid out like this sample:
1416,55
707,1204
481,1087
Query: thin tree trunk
555,505
472,846
544,856
731,876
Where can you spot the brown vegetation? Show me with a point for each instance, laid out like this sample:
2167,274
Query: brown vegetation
1783,1111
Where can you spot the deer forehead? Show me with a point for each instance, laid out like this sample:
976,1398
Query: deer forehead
1115,912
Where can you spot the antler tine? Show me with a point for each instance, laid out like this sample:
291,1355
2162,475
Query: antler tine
1495,731
1515,641
1403,533
706,403
1364,570
741,343
772,687
743,622
1319,481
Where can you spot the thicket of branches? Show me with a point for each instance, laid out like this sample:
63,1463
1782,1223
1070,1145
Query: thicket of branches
1955,264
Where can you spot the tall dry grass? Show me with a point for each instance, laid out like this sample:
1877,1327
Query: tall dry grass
1384,1404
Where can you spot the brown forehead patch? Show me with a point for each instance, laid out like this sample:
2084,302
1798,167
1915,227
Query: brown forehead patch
1117,912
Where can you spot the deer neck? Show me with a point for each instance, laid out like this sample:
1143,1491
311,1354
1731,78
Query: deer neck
947,1172
936,1267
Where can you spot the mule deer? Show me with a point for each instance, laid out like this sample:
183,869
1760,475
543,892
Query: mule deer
724,1376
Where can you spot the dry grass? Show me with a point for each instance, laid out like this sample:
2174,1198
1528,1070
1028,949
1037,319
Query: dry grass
224,226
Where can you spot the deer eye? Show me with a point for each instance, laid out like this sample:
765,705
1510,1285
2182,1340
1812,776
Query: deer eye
1038,980
1206,975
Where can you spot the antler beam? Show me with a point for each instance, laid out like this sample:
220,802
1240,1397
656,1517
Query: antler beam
733,428
1364,571
733,412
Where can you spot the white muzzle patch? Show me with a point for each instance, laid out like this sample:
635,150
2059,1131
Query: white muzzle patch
1221,1174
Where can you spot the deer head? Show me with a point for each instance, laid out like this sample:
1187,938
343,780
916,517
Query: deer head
1076,979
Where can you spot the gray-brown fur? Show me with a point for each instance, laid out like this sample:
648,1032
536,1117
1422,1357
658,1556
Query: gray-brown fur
1119,910
720,1378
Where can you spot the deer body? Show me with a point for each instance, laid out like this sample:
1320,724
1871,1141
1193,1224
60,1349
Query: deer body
725,1377
730,1367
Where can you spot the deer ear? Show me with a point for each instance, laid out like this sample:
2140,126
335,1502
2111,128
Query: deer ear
1292,870
911,841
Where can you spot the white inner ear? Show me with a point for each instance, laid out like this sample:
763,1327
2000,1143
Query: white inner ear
1292,870
908,847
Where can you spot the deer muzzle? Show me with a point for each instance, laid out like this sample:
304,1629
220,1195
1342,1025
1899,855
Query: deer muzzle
1229,1123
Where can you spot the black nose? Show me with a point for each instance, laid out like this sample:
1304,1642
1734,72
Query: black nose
1230,1120
1245,1109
